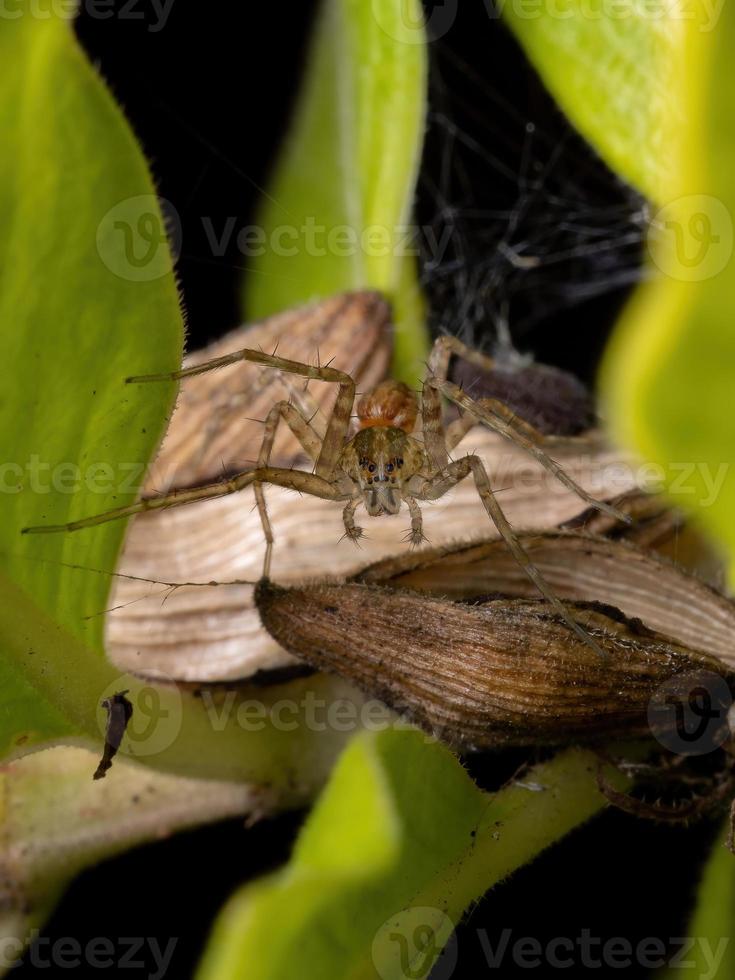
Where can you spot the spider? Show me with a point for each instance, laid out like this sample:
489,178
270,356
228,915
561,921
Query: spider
382,465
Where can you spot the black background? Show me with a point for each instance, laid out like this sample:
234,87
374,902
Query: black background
209,97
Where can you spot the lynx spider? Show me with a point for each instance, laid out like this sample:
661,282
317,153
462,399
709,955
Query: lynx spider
382,465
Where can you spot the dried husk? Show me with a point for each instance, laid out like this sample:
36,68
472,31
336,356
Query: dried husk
214,634
579,567
505,672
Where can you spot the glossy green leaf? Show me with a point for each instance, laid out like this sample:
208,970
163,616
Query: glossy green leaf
712,951
668,378
397,848
87,297
338,208
55,821
611,66
87,294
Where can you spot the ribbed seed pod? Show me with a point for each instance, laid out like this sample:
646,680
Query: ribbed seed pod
502,672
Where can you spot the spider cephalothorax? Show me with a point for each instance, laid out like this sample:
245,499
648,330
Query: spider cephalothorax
381,461
383,465
382,458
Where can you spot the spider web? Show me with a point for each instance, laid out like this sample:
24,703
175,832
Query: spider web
539,242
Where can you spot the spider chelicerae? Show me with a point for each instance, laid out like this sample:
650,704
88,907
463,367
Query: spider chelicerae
384,464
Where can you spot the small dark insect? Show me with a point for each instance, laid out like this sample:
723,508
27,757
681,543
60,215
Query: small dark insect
119,712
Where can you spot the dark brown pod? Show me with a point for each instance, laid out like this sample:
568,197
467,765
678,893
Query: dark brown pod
504,672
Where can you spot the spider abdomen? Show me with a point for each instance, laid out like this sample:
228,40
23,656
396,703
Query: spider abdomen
391,403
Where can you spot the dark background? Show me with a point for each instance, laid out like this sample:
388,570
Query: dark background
209,97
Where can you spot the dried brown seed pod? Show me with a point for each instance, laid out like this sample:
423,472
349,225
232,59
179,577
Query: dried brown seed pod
581,567
502,672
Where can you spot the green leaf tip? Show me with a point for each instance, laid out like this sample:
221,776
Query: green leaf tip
337,212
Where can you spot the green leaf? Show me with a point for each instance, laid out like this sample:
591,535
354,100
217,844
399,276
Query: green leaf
400,843
339,204
77,314
713,952
611,67
87,297
55,821
668,376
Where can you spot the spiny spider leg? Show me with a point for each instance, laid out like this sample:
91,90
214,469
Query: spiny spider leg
352,531
339,420
310,443
454,393
436,486
458,429
441,353
497,416
416,534
291,479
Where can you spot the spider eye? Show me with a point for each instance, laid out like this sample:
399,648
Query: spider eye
371,468
399,463
389,468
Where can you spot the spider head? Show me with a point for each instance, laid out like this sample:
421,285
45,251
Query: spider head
380,460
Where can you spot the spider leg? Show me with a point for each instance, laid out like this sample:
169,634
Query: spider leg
353,532
309,441
416,534
513,434
436,486
338,421
458,429
299,480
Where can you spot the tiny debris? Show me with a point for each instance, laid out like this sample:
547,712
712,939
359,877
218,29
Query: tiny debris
119,713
